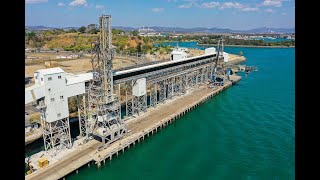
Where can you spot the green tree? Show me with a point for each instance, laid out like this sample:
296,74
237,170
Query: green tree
58,31
135,33
117,31
48,33
82,29
37,42
132,50
72,31
92,29
139,47
29,36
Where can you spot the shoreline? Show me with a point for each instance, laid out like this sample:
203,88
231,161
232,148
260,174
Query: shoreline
227,45
253,46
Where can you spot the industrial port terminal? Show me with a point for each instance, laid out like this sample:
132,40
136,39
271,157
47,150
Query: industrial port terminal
117,109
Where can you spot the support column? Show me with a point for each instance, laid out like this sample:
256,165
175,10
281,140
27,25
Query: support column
56,135
153,94
170,88
82,115
183,84
129,99
119,90
162,91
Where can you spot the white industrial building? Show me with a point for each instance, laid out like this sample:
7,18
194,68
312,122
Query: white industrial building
178,54
148,32
52,89
210,50
225,57
140,87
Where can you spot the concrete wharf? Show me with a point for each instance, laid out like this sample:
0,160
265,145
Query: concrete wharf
140,128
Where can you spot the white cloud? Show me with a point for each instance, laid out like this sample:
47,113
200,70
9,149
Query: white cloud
283,14
232,5
35,1
248,9
99,6
60,4
275,3
215,4
185,6
212,4
79,3
268,11
157,9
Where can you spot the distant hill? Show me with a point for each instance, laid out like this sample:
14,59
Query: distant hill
272,30
183,30
37,28
41,28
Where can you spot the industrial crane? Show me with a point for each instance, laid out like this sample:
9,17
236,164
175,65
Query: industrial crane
219,74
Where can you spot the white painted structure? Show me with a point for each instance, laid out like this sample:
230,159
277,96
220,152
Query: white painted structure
52,89
140,87
56,86
210,50
148,32
72,56
225,57
33,93
181,49
177,55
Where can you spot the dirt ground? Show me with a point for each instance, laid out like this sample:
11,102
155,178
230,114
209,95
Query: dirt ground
83,64
77,65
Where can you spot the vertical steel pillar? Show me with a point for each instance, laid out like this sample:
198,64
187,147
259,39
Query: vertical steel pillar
82,115
153,94
129,99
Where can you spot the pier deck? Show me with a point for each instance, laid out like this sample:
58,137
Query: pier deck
142,126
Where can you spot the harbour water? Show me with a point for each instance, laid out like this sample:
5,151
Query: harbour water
246,132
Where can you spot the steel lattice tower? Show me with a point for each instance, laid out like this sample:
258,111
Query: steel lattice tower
104,118
219,62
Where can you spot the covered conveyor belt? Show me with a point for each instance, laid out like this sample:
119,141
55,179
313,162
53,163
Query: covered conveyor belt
117,75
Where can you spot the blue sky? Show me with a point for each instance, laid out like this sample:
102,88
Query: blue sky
233,14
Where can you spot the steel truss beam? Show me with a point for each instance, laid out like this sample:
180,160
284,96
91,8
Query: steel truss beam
139,104
165,87
153,94
56,135
129,98
162,91
170,84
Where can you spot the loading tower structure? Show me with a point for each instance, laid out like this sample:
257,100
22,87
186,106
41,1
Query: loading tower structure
219,70
104,108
